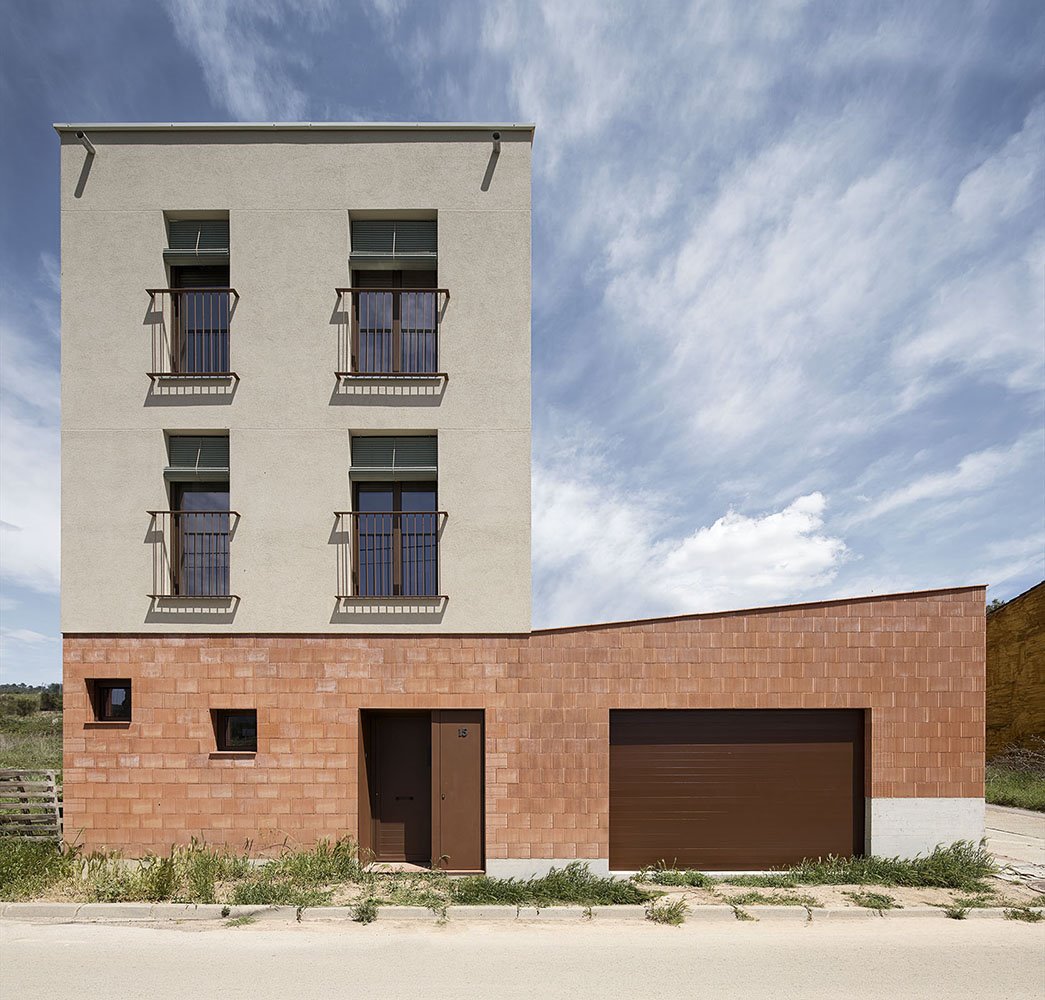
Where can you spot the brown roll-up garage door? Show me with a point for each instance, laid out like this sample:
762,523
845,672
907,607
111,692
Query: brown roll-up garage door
721,789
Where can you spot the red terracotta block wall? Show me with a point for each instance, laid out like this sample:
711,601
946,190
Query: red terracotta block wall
915,661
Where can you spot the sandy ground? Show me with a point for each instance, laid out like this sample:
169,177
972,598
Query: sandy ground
929,959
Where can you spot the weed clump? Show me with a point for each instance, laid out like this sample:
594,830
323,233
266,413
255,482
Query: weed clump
673,913
575,883
874,901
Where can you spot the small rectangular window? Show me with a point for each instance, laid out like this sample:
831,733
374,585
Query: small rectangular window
110,699
236,729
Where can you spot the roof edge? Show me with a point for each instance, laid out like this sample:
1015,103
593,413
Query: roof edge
61,127
764,609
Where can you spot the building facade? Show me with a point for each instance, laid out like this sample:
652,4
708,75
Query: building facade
296,549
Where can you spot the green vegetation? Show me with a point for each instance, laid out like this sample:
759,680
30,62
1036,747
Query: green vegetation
243,921
675,877
1024,913
756,898
365,911
956,912
762,881
1017,778
31,742
874,901
673,913
573,884
962,865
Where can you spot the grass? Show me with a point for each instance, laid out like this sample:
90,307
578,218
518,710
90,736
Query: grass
1017,777
658,875
962,865
756,898
874,901
32,742
243,921
956,912
1024,913
573,884
762,881
365,911
673,913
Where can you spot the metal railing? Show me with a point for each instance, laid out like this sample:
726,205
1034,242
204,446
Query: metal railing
191,332
388,555
389,332
190,553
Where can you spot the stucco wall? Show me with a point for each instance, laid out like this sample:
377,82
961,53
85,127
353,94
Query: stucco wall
914,663
1016,672
288,196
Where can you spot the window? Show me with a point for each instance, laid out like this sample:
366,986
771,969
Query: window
236,729
200,519
396,540
395,331
201,303
110,699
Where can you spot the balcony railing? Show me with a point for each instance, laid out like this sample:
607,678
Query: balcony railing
191,553
392,555
390,332
191,329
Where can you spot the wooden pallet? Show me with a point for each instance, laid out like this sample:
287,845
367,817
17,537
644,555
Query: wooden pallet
30,805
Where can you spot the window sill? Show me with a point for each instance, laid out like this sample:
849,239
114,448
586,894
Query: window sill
232,754
108,724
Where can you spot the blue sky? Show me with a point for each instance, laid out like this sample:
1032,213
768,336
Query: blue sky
788,317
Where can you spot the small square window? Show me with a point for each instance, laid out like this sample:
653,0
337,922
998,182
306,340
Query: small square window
236,729
111,700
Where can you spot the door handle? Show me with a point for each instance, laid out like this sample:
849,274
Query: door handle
442,796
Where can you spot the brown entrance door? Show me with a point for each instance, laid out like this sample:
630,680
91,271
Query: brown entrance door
457,789
401,765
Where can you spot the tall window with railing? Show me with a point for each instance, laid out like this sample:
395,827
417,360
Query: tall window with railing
191,540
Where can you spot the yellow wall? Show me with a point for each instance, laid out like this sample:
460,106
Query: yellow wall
1016,671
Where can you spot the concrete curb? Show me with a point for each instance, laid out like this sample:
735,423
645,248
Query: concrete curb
153,913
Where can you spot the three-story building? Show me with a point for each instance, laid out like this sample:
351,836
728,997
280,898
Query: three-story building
296,548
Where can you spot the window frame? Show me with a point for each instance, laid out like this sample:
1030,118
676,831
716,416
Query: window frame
100,691
221,719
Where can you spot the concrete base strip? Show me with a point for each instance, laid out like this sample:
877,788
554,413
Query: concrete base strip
118,913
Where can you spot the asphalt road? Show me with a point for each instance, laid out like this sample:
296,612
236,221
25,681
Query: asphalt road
899,958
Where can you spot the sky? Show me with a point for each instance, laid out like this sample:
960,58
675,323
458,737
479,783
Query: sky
788,282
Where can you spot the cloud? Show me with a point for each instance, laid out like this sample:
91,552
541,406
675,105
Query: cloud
242,48
973,474
27,636
604,550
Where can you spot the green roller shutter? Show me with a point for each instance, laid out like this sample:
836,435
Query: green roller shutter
377,458
394,240
203,456
193,240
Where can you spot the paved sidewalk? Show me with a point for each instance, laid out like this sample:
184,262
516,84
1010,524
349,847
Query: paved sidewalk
916,960
1016,835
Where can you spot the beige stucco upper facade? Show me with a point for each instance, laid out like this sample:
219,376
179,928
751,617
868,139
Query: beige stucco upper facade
289,193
